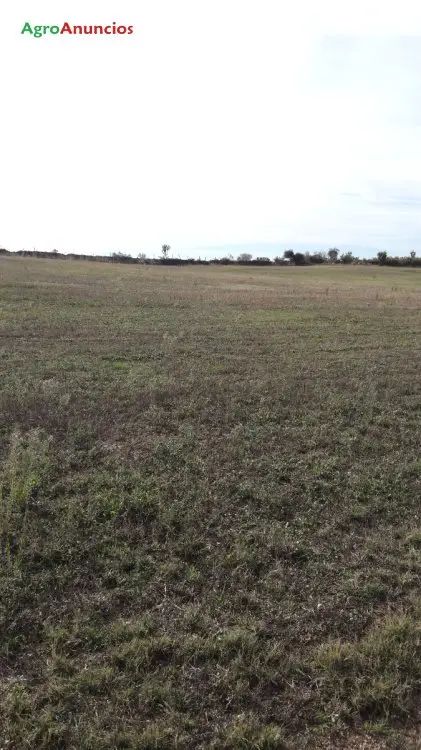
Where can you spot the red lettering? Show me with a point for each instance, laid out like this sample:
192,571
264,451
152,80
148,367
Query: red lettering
66,29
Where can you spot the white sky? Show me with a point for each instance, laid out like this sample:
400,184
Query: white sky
218,124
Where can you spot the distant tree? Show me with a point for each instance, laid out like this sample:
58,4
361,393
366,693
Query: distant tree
122,258
332,254
263,261
289,254
318,257
347,258
299,259
382,257
315,258
142,257
244,258
412,254
165,250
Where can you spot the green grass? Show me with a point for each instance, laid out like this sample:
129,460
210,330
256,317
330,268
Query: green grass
211,524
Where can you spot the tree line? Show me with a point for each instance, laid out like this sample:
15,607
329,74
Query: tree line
289,257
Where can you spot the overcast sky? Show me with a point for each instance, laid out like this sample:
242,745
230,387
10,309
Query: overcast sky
218,125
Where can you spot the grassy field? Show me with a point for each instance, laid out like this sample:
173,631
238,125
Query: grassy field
211,517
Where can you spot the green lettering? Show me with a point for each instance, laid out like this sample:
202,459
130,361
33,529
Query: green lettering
27,27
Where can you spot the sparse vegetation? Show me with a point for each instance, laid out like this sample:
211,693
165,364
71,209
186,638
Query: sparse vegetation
211,532
24,470
298,259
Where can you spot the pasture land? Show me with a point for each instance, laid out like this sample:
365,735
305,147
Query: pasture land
211,517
